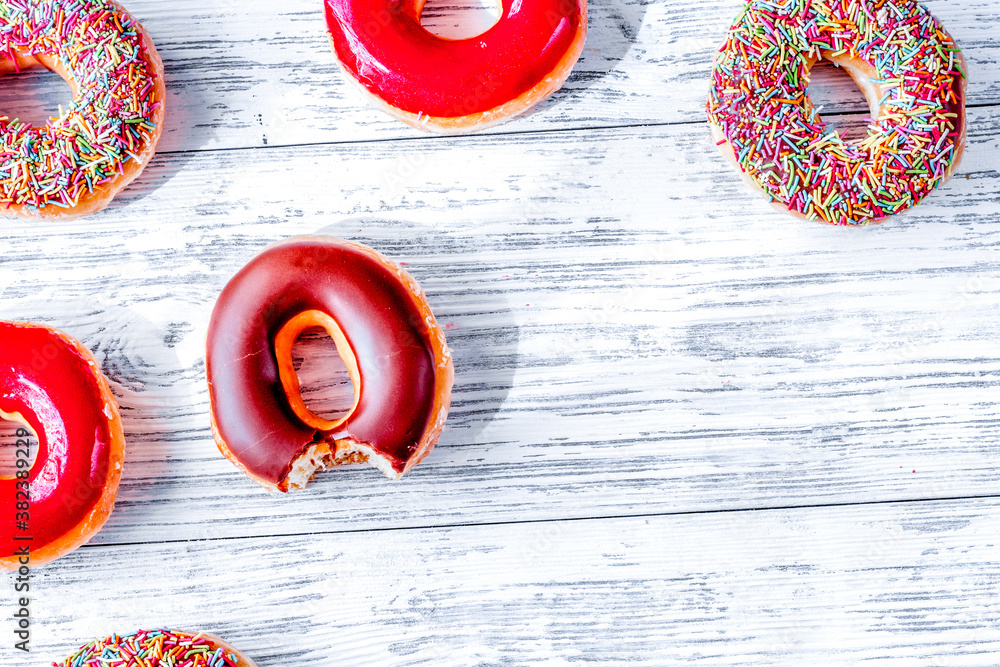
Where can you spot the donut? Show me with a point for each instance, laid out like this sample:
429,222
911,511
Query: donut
910,70
52,385
75,164
454,86
158,648
395,352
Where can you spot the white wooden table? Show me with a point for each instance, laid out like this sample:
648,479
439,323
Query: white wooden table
685,428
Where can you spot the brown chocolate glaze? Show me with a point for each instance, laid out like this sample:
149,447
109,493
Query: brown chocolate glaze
380,320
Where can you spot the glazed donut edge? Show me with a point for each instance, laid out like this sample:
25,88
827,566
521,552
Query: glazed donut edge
101,197
349,450
328,452
91,523
242,659
201,638
864,76
454,125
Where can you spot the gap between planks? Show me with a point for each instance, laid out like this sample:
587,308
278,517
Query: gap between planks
555,520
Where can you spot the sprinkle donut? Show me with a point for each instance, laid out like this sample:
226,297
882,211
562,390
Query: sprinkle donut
157,648
453,86
378,317
907,65
75,163
52,385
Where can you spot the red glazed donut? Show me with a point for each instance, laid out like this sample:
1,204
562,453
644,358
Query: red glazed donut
455,86
383,327
158,648
75,164
52,384
912,74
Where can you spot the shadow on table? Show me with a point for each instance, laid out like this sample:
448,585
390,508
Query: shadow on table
612,29
190,127
142,369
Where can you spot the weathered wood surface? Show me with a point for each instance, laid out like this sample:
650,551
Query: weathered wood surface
894,584
646,353
253,74
624,343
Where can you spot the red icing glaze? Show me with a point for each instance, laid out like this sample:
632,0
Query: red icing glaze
383,46
50,382
385,329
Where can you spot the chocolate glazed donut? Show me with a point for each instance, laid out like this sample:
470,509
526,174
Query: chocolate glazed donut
384,330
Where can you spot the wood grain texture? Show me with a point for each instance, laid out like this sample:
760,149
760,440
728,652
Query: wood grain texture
252,74
623,342
896,584
644,63
647,356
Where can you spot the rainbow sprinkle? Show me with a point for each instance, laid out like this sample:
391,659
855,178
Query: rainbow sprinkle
110,119
758,101
150,648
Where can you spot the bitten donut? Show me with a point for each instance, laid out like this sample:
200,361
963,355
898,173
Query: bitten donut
158,648
394,350
74,164
454,86
909,69
52,385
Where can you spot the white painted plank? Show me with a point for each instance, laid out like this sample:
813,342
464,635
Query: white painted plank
256,73
635,333
897,584
634,330
644,62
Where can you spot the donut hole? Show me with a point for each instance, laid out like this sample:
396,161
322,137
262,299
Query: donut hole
833,90
18,446
324,381
459,19
33,96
